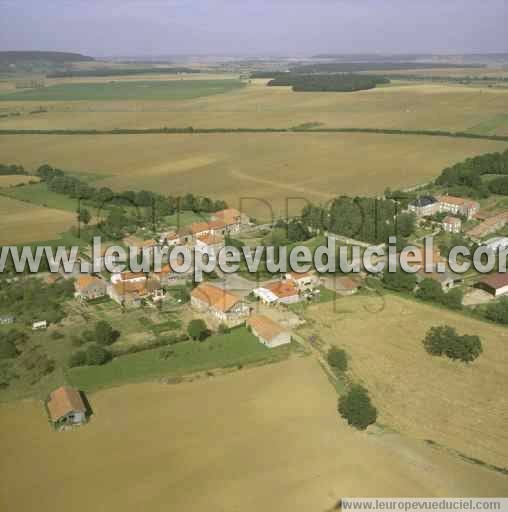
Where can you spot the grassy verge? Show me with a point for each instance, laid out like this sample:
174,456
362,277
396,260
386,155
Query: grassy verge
237,348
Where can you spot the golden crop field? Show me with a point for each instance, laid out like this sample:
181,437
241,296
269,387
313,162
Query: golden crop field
267,166
265,439
463,407
402,105
22,222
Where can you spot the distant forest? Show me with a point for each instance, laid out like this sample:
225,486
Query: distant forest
350,67
54,57
328,83
120,72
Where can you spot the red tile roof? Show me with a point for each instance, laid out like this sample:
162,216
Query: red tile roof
215,297
265,327
495,281
63,401
283,289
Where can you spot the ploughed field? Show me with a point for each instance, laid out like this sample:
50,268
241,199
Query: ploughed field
266,439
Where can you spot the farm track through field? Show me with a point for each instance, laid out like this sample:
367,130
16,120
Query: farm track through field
291,188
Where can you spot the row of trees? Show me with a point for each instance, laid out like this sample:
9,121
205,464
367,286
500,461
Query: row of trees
328,83
362,218
121,72
124,211
466,178
354,405
12,170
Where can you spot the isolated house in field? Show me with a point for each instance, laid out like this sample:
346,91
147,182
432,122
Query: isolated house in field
452,224
459,206
495,284
424,206
66,407
269,333
220,304
233,219
89,287
305,281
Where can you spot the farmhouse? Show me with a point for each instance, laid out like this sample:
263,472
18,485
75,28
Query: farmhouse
305,282
452,224
213,227
269,333
280,292
458,206
89,287
221,305
424,206
168,277
128,277
495,284
133,293
232,219
66,407
142,246
209,244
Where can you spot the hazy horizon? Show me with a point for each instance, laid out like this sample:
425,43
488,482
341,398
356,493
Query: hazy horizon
279,27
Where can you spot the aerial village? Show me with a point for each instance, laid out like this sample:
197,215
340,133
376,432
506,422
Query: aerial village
270,308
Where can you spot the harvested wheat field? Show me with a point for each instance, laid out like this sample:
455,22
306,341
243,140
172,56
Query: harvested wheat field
399,106
267,166
22,222
265,439
464,407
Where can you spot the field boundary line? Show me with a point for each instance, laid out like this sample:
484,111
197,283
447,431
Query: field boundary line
192,131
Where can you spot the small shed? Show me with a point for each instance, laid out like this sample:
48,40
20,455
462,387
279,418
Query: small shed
66,407
38,326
